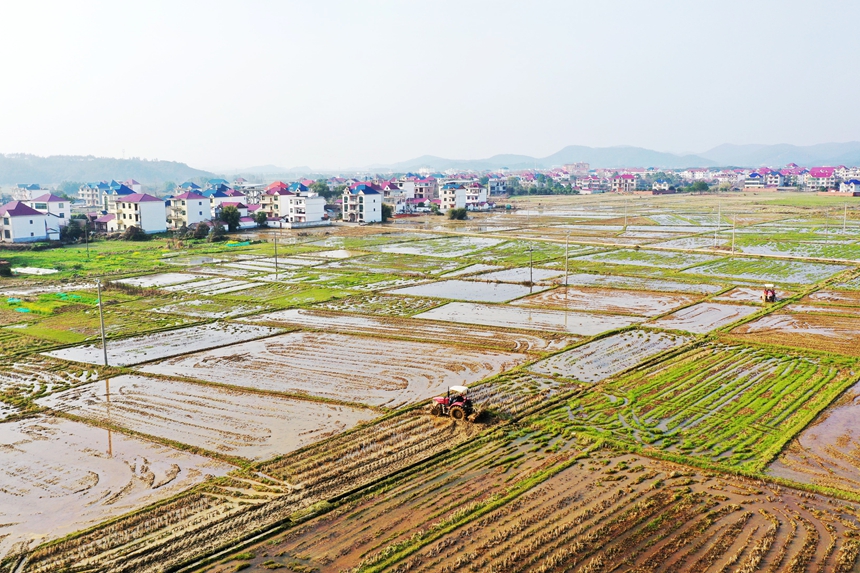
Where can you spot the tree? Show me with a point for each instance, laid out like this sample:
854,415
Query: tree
459,214
484,180
699,186
434,208
69,188
219,233
72,231
201,231
321,188
387,212
182,231
231,216
261,218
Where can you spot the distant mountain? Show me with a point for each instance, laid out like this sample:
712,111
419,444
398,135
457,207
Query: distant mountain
757,155
597,157
21,168
269,170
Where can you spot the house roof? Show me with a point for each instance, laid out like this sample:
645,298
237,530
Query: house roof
18,209
106,218
48,198
130,182
237,204
140,198
279,191
190,185
189,195
276,185
821,171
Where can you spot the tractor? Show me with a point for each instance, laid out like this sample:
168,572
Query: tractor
455,403
769,294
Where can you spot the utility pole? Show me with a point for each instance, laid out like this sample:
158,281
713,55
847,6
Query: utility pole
531,282
102,319
734,218
566,250
719,220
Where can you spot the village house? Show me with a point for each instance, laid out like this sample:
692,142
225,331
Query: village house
362,204
140,210
50,204
187,209
20,223
850,186
624,183
452,196
660,185
821,178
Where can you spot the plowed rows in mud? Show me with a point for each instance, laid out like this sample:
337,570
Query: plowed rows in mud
518,505
220,420
813,331
377,372
224,510
417,330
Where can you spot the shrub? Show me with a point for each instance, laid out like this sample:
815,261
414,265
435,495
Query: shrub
201,231
218,233
134,233
459,214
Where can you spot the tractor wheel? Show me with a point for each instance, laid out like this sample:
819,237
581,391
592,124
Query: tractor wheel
457,413
436,410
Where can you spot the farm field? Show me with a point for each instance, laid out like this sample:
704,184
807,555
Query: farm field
598,360
805,330
87,476
135,350
469,290
636,303
416,330
385,378
227,422
704,317
653,415
731,405
581,323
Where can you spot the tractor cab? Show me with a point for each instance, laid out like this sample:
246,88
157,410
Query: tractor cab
769,293
455,403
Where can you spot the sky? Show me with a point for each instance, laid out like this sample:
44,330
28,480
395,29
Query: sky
337,84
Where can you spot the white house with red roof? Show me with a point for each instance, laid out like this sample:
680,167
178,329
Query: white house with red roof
821,178
51,204
140,210
625,183
590,184
187,209
20,223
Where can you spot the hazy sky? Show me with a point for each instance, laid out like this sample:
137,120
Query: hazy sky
224,84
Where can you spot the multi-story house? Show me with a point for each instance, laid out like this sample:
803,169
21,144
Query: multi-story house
426,188
497,186
50,204
274,201
20,223
624,183
146,212
774,179
452,196
362,204
187,209
590,184
850,186
754,180
306,208
660,185
821,178
476,196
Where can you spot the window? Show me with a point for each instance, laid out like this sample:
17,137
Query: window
200,213
31,222
62,215
6,234
61,205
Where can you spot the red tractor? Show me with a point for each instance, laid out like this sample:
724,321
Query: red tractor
455,403
769,294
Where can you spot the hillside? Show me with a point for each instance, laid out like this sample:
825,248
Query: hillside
21,168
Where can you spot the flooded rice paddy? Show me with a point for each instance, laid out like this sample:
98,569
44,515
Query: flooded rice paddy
58,476
416,329
598,360
447,248
574,322
470,290
808,330
353,369
704,317
636,303
137,349
216,419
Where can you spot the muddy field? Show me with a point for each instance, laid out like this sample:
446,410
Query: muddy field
291,363
470,291
138,349
704,317
581,323
219,420
59,476
805,330
636,303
